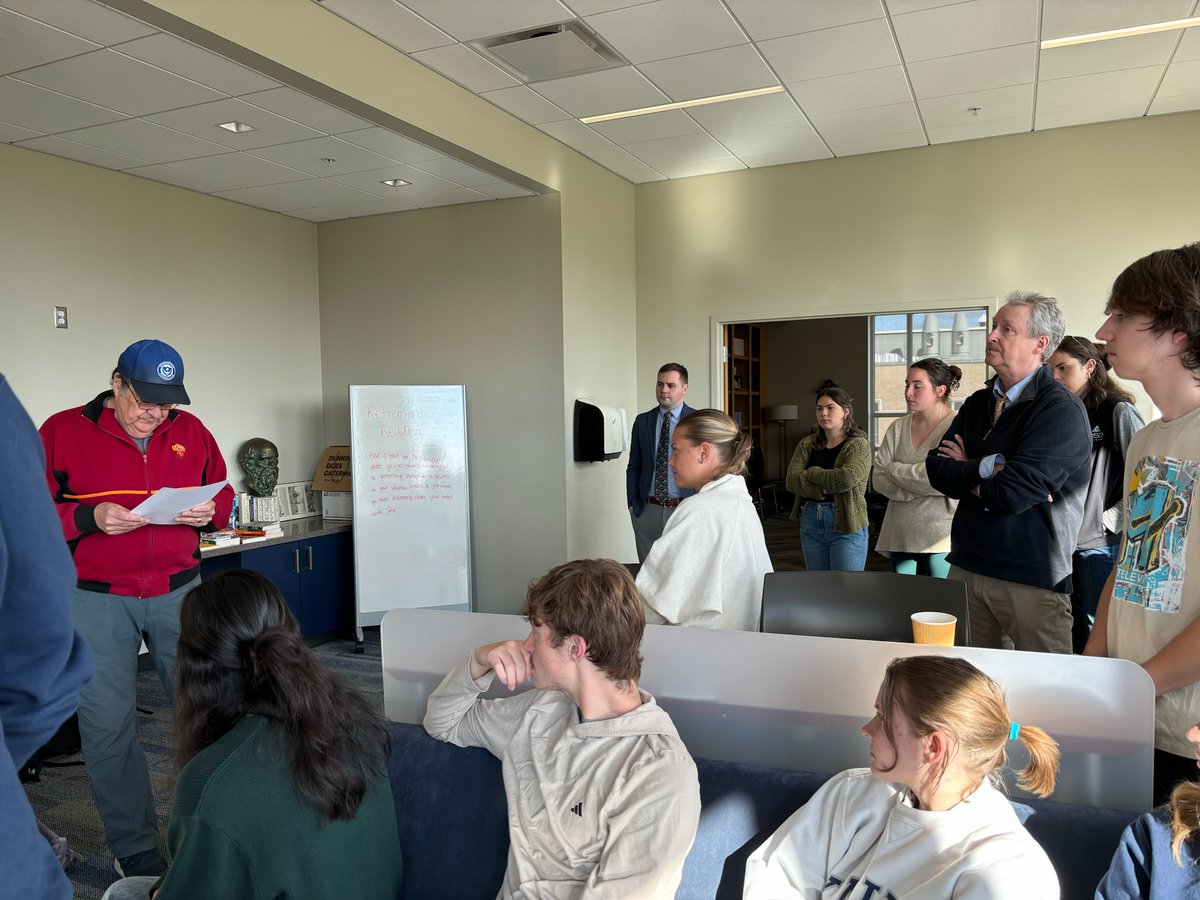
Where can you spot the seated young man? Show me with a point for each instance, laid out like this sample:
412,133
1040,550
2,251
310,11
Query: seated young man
603,796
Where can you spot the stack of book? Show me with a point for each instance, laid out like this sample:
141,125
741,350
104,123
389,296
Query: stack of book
222,538
254,531
256,509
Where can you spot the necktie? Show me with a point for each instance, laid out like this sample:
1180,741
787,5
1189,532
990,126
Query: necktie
1000,401
660,459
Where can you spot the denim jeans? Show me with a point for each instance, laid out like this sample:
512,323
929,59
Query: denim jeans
1091,570
825,549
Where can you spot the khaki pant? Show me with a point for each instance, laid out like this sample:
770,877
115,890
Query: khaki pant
1008,615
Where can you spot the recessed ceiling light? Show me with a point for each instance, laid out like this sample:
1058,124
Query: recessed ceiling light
1173,25
685,104
236,127
395,182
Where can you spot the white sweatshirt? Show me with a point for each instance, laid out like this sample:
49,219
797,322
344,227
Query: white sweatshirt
604,809
707,568
860,838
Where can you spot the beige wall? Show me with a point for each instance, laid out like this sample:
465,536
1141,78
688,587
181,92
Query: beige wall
1059,211
800,355
464,295
234,289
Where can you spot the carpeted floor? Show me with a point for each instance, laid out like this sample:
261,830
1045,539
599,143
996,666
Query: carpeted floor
63,799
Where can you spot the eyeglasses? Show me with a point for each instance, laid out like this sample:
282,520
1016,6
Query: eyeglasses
145,406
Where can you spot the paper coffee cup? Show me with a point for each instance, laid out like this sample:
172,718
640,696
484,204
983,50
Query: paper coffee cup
934,628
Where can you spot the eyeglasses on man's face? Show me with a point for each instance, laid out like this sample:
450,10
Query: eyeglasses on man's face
145,406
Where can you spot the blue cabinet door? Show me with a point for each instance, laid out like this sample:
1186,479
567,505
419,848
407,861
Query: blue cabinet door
278,562
325,584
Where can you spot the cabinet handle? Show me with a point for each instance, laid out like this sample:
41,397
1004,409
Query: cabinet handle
296,559
310,557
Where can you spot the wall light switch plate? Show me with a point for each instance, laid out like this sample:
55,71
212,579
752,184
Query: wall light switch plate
60,317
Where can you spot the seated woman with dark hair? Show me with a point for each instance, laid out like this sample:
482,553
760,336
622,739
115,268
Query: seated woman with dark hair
1159,854
283,790
926,820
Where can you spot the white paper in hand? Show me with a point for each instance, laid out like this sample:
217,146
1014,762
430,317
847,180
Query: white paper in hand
163,506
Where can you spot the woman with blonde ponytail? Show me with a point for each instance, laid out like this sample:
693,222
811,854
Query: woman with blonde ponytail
926,819
707,568
283,788
1159,854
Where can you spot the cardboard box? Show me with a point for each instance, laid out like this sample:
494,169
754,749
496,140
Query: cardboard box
333,482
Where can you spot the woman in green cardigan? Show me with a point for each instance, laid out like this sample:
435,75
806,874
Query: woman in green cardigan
828,474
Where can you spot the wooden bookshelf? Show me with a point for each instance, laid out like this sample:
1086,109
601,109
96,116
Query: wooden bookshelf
744,372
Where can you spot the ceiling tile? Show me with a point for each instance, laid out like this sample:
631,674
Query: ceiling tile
46,111
502,190
691,168
966,27
202,120
1161,105
144,140
1085,115
389,144
418,182
452,198
574,134
898,118
744,113
176,55
1107,56
859,146
1119,88
178,178
462,64
711,73
614,159
374,207
977,71
896,7
980,129
642,175
673,151
456,171
998,103
591,7
648,128
782,17
323,156
797,135
834,51
667,28
315,214
784,157
527,105
1189,45
1181,78
107,78
255,198
1062,18
93,156
315,192
25,43
856,90
10,133
83,18
467,20
602,92
390,22
239,170
307,110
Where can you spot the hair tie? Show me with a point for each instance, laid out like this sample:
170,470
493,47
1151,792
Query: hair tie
1013,730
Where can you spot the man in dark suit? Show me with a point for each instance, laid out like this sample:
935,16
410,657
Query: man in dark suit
650,488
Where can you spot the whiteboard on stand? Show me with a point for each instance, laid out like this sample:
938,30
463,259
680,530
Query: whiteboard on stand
412,523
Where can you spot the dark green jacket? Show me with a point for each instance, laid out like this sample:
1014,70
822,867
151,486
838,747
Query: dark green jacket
847,481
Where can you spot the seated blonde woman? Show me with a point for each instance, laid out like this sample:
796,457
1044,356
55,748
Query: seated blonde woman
925,820
707,568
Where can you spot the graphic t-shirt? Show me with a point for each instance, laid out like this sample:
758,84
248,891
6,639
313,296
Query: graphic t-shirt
1153,598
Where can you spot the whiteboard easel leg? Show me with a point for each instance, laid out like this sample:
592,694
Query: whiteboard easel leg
358,639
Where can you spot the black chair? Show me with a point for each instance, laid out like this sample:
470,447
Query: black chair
875,606
756,466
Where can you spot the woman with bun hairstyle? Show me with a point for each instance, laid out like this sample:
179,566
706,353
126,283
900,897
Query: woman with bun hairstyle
926,819
828,474
916,527
283,790
707,568
1080,366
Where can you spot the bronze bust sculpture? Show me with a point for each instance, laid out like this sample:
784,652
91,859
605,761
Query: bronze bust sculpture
259,459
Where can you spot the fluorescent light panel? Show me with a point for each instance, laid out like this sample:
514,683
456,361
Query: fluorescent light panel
685,104
1173,25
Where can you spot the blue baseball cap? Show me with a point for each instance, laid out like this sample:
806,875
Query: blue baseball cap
155,370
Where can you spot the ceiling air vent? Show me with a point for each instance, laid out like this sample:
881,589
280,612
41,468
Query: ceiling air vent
551,51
